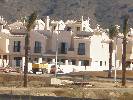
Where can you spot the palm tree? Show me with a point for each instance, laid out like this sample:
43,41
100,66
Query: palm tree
112,33
125,31
29,26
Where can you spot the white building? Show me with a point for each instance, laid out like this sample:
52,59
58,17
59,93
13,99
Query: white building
79,46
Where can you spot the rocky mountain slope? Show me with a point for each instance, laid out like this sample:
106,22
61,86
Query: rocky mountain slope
103,12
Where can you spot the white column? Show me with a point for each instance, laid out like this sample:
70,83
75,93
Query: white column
70,62
66,62
47,23
79,63
40,60
4,61
23,63
131,66
53,61
7,61
1,61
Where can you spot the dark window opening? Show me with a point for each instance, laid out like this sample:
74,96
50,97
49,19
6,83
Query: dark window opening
36,59
37,48
18,61
73,62
78,28
63,61
49,60
16,46
83,28
43,59
81,49
69,28
105,63
63,48
5,57
54,27
85,63
100,63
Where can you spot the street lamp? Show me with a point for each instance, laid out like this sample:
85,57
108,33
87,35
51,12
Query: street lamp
56,55
117,27
115,59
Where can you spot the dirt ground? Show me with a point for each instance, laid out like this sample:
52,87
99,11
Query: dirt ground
129,74
100,86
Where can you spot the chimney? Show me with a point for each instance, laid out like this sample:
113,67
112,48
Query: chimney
47,23
1,24
82,23
82,18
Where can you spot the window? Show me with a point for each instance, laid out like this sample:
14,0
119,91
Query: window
64,48
81,49
49,60
18,61
16,46
83,28
105,63
73,62
54,27
5,57
36,59
100,63
37,48
43,59
69,28
78,28
63,61
85,63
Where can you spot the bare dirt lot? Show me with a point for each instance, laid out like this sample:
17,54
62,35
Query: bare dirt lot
100,86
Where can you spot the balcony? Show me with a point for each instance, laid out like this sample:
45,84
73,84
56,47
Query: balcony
17,49
37,50
62,51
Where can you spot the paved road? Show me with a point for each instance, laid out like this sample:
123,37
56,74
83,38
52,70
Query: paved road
16,97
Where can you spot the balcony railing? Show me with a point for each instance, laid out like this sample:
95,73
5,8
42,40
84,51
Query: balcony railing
62,51
37,50
17,49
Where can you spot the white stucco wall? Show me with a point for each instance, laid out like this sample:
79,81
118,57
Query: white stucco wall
87,45
35,36
98,51
22,44
40,25
4,43
63,36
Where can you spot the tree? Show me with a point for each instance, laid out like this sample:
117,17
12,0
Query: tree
125,31
112,33
29,26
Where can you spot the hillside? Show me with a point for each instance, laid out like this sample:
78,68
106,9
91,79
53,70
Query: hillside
103,12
